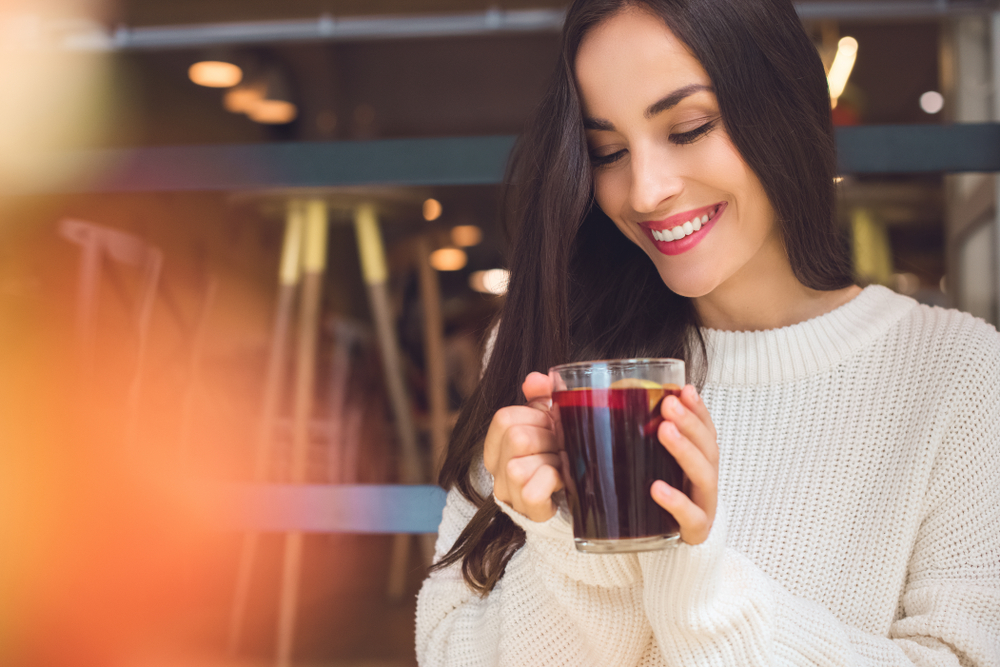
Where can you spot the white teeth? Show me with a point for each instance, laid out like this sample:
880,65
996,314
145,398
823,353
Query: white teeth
680,231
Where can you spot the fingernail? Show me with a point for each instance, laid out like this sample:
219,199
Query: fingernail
694,395
662,489
671,430
674,406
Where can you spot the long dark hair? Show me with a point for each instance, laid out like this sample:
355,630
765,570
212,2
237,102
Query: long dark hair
578,288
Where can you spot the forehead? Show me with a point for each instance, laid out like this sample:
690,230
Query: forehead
632,58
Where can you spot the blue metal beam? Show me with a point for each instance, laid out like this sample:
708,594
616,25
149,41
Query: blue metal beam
907,149
316,508
885,149
391,162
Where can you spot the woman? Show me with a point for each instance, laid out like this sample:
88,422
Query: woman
841,503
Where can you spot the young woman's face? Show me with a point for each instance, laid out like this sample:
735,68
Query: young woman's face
665,170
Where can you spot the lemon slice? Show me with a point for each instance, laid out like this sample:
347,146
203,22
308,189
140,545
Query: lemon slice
635,383
654,389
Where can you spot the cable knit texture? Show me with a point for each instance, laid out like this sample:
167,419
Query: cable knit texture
858,522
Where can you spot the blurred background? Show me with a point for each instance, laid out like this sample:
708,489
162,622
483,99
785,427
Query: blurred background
249,253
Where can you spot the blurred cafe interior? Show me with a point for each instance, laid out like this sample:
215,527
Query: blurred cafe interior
249,255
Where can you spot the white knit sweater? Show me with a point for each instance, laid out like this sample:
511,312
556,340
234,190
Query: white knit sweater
858,522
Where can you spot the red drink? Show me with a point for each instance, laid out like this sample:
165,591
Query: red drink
613,456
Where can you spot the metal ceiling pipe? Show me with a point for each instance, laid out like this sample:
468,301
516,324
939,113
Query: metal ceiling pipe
324,28
98,38
914,9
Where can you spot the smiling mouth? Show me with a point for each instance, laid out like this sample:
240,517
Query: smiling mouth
686,228
682,232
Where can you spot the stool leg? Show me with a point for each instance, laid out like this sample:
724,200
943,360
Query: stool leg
376,276
152,265
288,602
313,268
274,380
194,372
437,373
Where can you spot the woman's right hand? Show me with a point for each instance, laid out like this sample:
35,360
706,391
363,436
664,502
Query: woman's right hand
522,454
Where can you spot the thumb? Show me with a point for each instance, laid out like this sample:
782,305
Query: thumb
537,389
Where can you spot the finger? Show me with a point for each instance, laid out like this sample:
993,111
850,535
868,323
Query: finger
537,390
536,495
692,427
503,420
693,521
521,469
528,490
515,471
525,440
692,401
697,468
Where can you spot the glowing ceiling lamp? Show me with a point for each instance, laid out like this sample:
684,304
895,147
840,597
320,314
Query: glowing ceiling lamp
273,112
840,70
432,209
449,259
215,74
275,106
465,236
241,98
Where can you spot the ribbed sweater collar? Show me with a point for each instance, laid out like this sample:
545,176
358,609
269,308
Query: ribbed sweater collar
806,348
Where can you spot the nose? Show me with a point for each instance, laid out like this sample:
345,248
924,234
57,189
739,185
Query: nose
655,180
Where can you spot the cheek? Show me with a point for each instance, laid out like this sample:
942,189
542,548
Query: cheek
609,197
610,193
602,192
758,206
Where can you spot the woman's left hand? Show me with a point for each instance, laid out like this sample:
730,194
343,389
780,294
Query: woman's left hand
688,434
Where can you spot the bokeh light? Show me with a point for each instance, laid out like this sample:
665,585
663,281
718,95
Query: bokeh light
840,70
272,112
432,209
242,98
465,236
932,102
449,259
215,74
493,281
53,100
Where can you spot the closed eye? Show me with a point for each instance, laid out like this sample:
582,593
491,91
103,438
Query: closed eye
680,138
692,136
604,160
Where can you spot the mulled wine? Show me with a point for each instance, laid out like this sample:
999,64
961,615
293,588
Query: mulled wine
613,456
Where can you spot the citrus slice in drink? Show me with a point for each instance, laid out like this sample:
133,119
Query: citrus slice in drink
653,389
635,383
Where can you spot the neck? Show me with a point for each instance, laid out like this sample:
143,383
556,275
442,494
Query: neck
765,294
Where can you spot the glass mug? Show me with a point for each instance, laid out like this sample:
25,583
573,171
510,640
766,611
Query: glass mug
606,416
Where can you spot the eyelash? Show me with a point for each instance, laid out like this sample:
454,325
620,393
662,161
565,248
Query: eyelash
681,139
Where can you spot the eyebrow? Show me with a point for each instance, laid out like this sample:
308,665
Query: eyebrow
658,107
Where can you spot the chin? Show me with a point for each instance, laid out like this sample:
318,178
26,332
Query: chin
689,286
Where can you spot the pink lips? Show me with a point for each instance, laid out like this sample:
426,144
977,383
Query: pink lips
679,246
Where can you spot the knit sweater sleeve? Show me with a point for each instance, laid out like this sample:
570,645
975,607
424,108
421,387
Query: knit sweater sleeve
710,605
550,607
